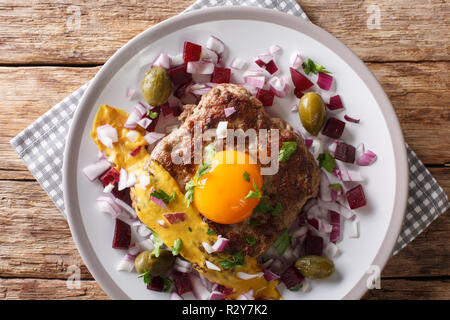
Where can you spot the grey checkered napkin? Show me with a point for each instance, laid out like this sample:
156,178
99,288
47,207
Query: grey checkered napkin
41,147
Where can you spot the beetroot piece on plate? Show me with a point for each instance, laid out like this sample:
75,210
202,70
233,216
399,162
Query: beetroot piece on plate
224,290
179,75
122,235
298,93
135,151
191,52
165,109
157,284
334,128
176,110
265,96
335,221
221,75
355,197
271,67
301,82
112,176
313,245
182,283
180,92
154,110
345,152
335,103
292,278
260,63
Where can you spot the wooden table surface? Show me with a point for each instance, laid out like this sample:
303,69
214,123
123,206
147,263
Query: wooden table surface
45,55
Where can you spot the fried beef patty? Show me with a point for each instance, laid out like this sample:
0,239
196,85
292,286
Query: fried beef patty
296,181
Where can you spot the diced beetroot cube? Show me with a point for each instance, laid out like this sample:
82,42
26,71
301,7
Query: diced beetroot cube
191,52
355,197
300,81
221,75
151,127
157,284
345,152
271,67
182,284
112,176
314,222
334,128
313,245
122,235
224,290
165,109
179,75
335,221
298,93
135,151
335,103
292,278
260,63
176,110
265,96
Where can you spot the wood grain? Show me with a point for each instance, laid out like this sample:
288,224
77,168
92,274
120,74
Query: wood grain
44,32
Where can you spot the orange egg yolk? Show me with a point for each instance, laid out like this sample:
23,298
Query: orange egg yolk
221,194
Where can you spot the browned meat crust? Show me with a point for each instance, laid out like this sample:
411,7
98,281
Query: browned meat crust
296,181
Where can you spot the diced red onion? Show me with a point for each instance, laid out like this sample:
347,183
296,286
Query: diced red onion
94,170
270,276
132,120
153,137
221,131
253,73
107,135
325,193
212,266
332,147
200,67
238,64
247,276
182,265
216,295
335,221
126,207
215,45
364,158
255,81
297,61
208,247
220,244
209,55
246,296
350,119
176,217
331,250
146,244
163,61
348,175
336,207
129,94
144,181
229,111
123,180
132,135
352,228
200,292
175,296
279,86
126,263
144,122
275,49
106,205
324,81
299,232
143,231
108,188
159,202
176,60
200,78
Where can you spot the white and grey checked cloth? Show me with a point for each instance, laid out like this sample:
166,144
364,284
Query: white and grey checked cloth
41,147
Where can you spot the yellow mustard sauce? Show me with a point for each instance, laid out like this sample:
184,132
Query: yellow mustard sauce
192,231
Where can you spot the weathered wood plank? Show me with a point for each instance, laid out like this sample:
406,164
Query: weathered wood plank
418,92
47,289
402,289
35,240
47,32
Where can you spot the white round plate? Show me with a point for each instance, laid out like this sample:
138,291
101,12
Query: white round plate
247,31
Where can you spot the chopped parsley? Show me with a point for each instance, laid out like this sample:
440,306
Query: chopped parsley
310,66
336,186
326,161
152,114
203,169
177,245
147,277
287,150
157,242
246,176
251,241
236,260
190,229
167,284
282,243
277,210
263,207
257,194
161,194
210,232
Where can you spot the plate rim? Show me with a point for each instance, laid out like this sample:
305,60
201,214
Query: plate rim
229,13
